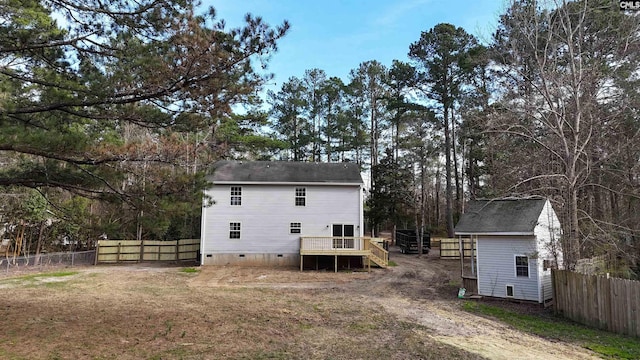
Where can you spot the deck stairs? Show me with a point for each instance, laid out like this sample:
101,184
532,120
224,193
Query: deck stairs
378,254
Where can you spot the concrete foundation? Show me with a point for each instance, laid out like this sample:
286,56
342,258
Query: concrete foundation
283,260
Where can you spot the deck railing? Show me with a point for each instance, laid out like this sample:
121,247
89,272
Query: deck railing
337,243
379,253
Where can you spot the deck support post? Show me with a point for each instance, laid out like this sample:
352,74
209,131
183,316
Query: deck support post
336,263
301,256
473,251
461,247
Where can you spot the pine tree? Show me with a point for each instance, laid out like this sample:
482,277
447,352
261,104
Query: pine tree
441,54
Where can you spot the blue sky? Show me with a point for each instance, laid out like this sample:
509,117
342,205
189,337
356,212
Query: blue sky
336,36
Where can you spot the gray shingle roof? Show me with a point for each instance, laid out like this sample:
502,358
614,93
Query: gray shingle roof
500,216
286,172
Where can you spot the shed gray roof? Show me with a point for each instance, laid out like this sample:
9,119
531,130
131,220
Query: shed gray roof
500,216
285,172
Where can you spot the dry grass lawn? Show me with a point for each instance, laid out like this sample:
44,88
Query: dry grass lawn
150,312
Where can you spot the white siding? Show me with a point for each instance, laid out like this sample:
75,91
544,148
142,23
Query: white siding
548,232
496,267
266,213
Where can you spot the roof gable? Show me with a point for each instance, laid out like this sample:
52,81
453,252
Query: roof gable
501,216
285,172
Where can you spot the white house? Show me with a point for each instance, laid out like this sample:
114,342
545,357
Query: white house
256,212
517,243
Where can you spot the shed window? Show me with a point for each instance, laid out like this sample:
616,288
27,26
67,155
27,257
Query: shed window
301,196
509,290
522,266
295,228
236,195
234,230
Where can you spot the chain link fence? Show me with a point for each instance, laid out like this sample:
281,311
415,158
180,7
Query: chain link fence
35,262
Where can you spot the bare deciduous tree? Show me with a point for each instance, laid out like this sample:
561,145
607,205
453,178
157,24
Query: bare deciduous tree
564,66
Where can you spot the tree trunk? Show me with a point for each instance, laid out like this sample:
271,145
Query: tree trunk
139,227
374,137
296,155
39,243
397,140
423,196
437,187
456,172
471,173
448,194
574,230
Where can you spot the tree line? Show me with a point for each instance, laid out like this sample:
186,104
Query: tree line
548,107
111,114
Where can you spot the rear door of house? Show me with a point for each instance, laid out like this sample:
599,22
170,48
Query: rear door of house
340,232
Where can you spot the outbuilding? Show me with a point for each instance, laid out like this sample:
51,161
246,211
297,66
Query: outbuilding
517,242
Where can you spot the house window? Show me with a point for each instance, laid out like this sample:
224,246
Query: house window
236,195
301,196
234,230
295,228
522,266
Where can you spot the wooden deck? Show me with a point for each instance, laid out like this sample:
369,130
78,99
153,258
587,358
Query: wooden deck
370,248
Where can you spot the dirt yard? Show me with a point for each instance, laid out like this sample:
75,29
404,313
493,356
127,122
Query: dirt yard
148,312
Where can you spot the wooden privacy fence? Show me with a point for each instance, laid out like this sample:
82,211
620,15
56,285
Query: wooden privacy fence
610,304
450,248
435,242
113,251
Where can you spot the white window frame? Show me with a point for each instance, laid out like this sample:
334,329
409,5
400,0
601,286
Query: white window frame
236,195
233,230
300,194
295,228
515,264
506,290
